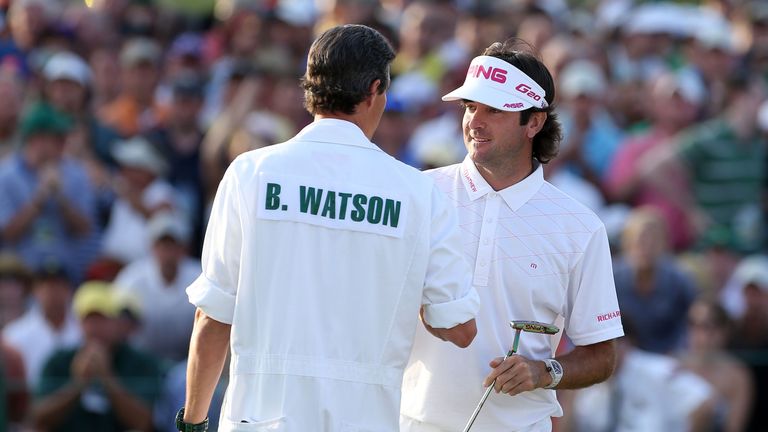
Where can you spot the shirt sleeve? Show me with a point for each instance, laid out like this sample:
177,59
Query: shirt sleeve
449,298
593,310
214,291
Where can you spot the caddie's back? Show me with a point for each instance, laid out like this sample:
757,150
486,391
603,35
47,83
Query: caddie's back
337,245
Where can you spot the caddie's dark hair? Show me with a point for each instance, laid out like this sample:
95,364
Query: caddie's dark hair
519,54
342,64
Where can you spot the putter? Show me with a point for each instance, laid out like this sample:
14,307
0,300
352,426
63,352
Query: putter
519,326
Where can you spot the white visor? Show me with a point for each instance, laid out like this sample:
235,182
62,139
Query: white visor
496,83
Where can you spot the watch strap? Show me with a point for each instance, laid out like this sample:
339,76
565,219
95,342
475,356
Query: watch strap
182,426
555,370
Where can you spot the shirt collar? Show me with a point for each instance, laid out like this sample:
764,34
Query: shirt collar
336,131
515,196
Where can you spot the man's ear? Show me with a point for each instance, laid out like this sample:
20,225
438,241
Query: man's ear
535,123
372,91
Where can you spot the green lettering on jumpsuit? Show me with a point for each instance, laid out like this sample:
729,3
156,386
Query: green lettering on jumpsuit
375,210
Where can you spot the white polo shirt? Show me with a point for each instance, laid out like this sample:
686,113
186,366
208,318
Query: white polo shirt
320,252
537,255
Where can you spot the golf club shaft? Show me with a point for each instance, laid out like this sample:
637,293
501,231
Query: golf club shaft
490,387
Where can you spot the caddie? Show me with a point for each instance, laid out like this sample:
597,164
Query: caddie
320,257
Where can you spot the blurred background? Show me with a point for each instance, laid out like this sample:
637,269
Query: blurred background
119,117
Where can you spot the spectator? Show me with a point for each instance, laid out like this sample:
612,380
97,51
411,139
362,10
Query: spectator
395,127
15,283
653,291
157,283
179,141
648,392
141,193
712,59
723,160
103,384
48,325
671,106
12,92
67,88
746,299
105,66
244,87
710,331
746,296
134,110
590,135
14,393
184,57
242,37
46,200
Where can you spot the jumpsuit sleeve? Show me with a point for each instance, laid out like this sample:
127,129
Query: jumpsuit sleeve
449,298
215,290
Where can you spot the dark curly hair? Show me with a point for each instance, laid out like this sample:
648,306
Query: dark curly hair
519,53
341,66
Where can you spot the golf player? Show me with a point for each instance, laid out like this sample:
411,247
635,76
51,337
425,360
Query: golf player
537,255
321,255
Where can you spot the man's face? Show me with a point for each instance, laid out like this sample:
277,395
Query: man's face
53,293
493,137
100,328
45,147
66,95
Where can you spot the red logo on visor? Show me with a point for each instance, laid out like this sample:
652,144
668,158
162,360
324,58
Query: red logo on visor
513,105
494,74
522,88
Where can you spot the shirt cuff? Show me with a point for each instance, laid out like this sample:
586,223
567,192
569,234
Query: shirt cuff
214,301
452,313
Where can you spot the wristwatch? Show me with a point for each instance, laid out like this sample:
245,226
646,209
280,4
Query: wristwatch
555,370
181,426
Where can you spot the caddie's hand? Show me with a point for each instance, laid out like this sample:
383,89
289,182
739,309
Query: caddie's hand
429,328
517,374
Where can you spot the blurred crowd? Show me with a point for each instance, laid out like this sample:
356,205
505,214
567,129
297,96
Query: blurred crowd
119,117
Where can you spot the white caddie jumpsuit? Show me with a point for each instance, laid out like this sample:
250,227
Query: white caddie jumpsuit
320,252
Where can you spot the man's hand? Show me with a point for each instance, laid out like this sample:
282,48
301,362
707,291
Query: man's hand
50,181
91,362
460,335
517,374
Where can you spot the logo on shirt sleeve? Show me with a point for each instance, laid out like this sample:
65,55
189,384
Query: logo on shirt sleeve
609,316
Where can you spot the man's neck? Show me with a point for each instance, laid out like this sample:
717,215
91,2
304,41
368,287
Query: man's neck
503,177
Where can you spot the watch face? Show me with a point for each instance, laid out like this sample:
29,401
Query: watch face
556,366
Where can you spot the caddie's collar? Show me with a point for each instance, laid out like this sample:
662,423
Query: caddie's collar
336,131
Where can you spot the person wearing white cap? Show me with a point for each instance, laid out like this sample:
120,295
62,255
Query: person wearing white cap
142,192
157,282
67,87
537,255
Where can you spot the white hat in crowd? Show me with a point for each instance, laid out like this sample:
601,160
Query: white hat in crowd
582,78
167,224
690,88
66,65
137,152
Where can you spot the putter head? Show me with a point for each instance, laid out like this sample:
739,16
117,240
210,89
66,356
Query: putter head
534,327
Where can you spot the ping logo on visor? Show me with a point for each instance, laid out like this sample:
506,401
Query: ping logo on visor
494,82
